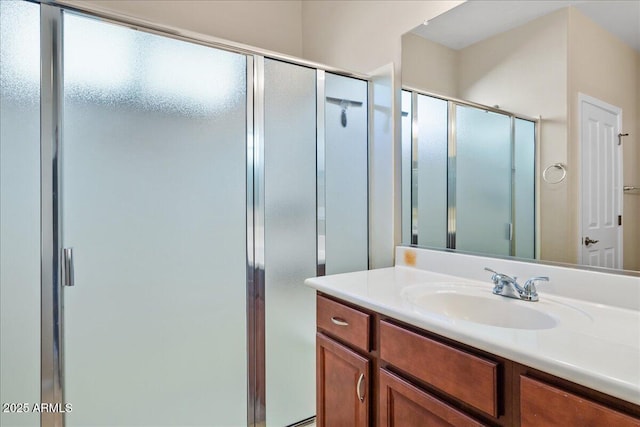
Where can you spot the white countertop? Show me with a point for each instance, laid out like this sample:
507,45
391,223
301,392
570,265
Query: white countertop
598,348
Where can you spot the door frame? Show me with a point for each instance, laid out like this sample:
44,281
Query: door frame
51,290
617,111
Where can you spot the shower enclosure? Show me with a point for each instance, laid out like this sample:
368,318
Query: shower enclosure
472,176
162,200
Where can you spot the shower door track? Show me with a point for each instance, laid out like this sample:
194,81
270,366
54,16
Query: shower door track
470,104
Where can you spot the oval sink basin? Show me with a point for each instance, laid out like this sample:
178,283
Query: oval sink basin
485,310
458,301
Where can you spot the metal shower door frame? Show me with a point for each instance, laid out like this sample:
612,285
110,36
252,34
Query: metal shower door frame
256,309
52,291
52,310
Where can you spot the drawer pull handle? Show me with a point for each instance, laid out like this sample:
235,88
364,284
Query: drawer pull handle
338,321
360,395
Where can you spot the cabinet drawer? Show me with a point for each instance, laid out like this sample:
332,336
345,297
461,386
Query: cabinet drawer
404,405
545,405
470,378
345,323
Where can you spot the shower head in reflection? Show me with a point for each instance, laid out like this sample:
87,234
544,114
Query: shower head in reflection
344,104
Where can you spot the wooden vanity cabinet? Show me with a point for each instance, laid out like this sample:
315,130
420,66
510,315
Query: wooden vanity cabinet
376,371
344,366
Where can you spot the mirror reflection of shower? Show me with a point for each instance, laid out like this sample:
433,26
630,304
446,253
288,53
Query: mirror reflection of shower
472,178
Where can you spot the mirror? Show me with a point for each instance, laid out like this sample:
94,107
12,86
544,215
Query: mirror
549,61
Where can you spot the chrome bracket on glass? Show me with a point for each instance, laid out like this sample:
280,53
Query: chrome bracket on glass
68,276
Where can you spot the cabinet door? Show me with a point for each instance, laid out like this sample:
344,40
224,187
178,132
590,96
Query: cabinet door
342,385
404,405
545,405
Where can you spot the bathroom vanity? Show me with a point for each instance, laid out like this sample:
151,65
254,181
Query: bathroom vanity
409,346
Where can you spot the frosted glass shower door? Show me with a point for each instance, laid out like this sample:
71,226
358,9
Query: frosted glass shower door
525,189
290,240
345,174
431,171
483,181
407,166
154,196
19,209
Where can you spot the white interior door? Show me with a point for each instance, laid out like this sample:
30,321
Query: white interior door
601,239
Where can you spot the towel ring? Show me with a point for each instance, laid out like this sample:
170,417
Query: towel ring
560,166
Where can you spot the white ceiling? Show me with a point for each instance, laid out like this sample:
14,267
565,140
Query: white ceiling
476,20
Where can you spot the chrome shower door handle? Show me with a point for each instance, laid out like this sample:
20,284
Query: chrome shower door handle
68,278
589,242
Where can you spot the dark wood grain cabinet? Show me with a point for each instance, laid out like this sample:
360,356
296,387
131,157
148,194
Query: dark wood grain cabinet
343,372
348,325
404,405
458,373
342,385
376,371
544,405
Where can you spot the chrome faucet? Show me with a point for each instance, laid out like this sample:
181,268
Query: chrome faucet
508,286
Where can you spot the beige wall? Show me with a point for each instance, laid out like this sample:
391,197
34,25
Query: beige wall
602,66
429,66
267,24
362,35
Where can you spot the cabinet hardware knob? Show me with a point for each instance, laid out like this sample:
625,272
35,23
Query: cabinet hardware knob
358,386
339,321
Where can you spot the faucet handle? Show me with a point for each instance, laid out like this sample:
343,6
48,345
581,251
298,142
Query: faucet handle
530,292
499,276
495,277
533,280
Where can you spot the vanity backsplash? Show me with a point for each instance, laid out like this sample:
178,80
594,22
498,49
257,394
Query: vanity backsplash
618,290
